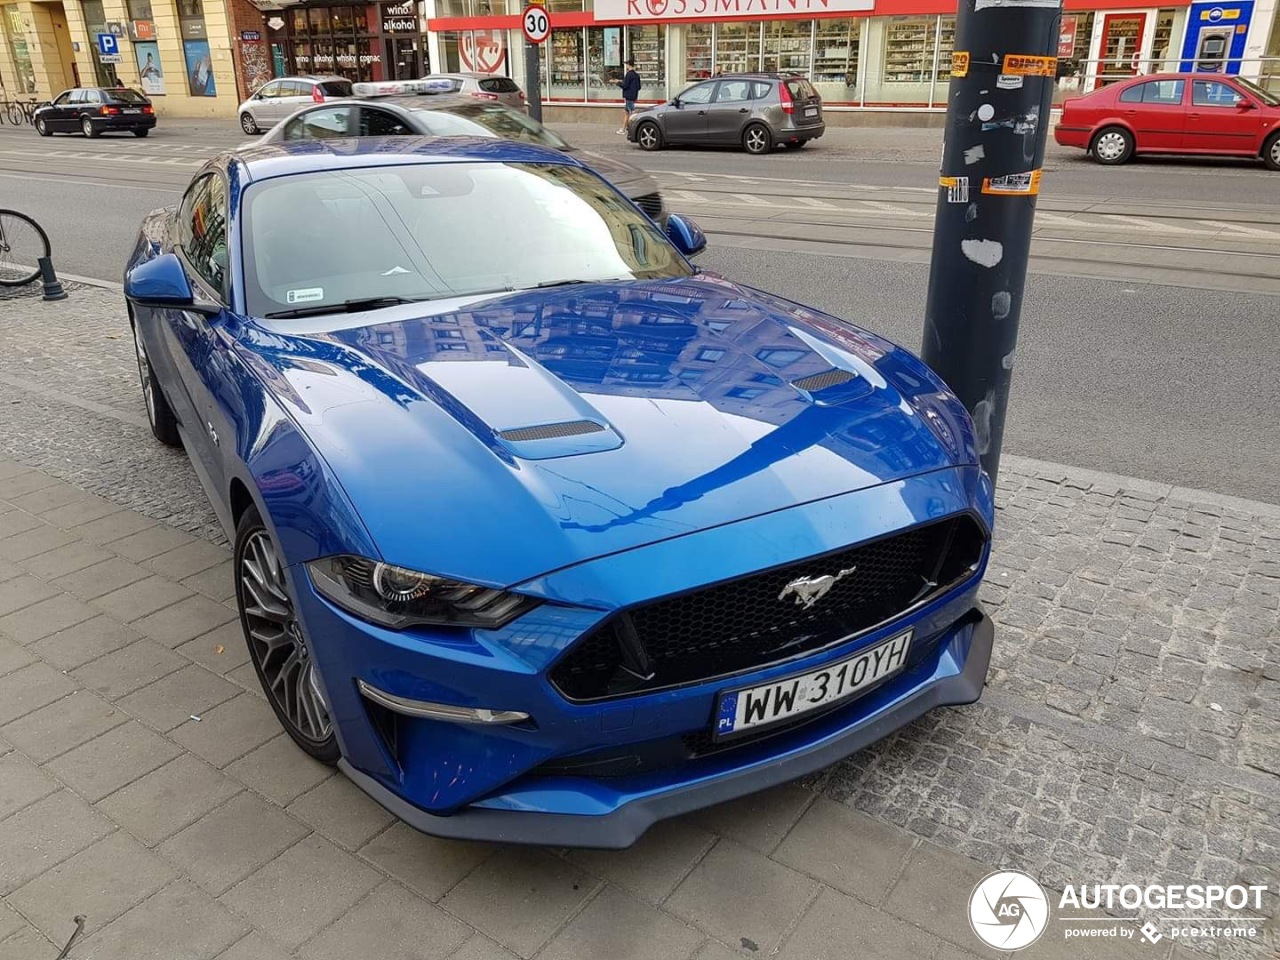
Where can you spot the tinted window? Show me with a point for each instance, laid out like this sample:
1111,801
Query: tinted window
699,94
1211,93
1132,94
324,124
733,91
430,231
801,89
124,95
335,88
499,85
380,123
206,233
1154,91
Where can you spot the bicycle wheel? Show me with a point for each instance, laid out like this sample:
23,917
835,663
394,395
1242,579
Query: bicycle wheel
15,114
22,244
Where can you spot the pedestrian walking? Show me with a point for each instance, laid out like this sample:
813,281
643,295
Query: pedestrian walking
630,84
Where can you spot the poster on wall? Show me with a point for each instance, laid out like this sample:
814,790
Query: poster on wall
199,68
1067,38
613,46
150,76
483,51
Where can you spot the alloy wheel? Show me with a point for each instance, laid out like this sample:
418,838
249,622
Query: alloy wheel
276,641
647,135
1110,146
40,126
248,124
86,126
1275,152
757,140
144,374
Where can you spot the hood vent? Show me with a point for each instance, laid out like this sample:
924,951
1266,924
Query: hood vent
822,381
550,431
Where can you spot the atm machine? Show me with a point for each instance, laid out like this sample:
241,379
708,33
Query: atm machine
1214,45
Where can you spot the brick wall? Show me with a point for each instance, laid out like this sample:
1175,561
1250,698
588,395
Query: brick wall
243,15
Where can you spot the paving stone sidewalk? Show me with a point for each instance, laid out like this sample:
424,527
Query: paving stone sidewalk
1130,733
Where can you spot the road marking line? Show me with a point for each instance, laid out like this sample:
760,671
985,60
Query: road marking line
752,199
1149,225
1245,231
686,196
814,202
895,209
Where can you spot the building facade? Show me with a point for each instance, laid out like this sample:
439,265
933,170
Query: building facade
201,58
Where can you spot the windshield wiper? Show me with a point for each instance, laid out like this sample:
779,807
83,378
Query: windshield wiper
566,283
347,306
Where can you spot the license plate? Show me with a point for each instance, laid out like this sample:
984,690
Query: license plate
781,700
810,111
132,110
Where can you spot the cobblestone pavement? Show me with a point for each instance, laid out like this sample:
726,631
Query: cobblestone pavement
1130,732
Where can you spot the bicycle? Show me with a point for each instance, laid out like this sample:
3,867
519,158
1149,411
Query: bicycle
21,111
22,243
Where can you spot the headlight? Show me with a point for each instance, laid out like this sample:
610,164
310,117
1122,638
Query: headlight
396,597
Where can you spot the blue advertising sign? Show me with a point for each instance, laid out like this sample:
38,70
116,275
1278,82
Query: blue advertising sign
1215,36
108,44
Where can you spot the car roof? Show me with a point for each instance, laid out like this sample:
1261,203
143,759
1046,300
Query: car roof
1176,76
310,156
459,75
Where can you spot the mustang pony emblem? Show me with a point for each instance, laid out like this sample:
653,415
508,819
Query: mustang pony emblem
809,590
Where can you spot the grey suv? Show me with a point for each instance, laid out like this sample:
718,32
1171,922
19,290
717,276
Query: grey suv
278,98
756,111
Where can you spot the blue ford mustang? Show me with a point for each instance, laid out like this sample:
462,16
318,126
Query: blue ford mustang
541,533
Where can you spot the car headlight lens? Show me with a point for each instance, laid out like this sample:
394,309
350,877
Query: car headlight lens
396,597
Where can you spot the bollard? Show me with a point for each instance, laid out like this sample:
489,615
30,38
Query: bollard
49,281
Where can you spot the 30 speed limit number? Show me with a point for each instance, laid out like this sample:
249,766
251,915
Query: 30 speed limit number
536,23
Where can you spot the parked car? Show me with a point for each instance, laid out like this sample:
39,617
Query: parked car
445,115
482,86
1187,113
277,99
541,534
756,111
94,111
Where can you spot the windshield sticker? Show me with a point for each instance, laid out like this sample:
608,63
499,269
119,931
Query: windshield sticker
305,295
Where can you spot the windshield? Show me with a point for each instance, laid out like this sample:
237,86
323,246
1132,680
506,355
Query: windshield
1270,99
431,231
488,120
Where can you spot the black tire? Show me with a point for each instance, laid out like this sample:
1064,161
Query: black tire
248,124
756,139
88,129
1112,146
16,116
164,425
42,128
649,135
281,660
22,243
141,133
796,144
1271,152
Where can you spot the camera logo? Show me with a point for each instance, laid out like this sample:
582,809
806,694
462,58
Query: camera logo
1008,910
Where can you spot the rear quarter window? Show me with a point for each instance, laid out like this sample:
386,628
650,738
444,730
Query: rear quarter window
498,85
801,89
336,88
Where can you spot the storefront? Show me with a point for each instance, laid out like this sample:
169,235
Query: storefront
377,41
868,55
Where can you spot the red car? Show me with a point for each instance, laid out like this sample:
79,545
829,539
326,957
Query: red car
1186,113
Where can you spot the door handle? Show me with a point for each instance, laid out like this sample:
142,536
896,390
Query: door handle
743,110
702,113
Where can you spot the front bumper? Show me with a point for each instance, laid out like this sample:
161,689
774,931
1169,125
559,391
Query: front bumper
958,676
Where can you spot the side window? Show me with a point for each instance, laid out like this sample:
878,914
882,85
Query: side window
1163,91
1212,93
78,96
379,123
204,233
93,96
63,98
297,88
325,124
698,94
270,91
759,89
1134,94
733,91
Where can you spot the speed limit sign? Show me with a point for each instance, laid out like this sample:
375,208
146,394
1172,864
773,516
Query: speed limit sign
536,23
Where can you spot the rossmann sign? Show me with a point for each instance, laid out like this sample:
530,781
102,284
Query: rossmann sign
693,9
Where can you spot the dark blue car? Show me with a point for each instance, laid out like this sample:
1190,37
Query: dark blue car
541,533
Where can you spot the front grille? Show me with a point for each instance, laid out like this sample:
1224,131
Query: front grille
756,620
650,203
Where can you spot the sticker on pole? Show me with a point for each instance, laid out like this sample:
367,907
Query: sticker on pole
536,24
960,63
957,188
1013,184
1021,65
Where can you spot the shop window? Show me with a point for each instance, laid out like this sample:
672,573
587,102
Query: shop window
835,59
908,50
565,79
604,63
95,22
787,46
697,50
195,49
648,46
1162,44
737,47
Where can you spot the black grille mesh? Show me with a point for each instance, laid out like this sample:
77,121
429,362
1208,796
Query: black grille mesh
551,431
823,380
743,624
650,203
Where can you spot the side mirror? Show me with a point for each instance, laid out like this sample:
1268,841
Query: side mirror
162,283
685,235
675,102
1243,104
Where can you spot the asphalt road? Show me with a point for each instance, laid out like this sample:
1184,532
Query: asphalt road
1148,341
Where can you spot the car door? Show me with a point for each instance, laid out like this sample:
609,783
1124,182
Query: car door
1222,119
90,105
295,95
1156,111
729,110
685,117
54,118
322,123
69,114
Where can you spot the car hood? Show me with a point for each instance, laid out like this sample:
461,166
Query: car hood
519,435
632,181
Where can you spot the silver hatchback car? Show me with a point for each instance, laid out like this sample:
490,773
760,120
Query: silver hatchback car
278,98
756,111
482,86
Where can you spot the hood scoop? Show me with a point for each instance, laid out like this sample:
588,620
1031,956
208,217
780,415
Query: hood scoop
817,382
550,431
